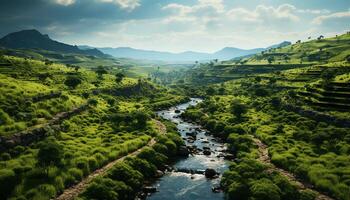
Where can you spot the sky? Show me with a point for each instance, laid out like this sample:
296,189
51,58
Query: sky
177,25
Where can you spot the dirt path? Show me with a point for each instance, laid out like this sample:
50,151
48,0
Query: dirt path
264,157
74,191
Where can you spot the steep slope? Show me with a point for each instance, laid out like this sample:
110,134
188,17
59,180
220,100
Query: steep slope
33,39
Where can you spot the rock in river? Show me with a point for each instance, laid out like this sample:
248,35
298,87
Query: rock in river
149,189
206,152
210,173
183,151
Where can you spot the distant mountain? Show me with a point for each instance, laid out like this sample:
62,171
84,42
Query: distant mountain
33,39
223,54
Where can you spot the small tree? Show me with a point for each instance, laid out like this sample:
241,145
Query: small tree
72,81
49,154
100,71
76,68
238,109
270,59
119,77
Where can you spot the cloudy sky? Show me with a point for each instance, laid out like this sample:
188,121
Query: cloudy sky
177,25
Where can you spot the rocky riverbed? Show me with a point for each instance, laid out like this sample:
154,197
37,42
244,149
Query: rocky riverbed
197,175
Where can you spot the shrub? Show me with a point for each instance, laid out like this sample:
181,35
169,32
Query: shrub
49,154
47,190
100,191
153,157
8,180
307,195
264,189
93,164
82,163
72,81
59,184
237,190
76,173
124,172
5,156
146,168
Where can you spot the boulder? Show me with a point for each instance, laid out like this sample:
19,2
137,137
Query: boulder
206,152
159,174
149,189
210,173
183,151
177,111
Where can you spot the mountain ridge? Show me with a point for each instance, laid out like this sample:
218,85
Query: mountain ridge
225,53
33,39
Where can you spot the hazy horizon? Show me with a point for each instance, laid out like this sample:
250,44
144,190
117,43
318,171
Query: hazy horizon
177,25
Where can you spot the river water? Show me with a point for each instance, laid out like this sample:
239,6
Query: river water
186,186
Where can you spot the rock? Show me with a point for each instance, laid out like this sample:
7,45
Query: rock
149,189
216,189
210,173
229,156
177,111
192,134
183,151
206,152
191,138
159,174
205,141
190,141
206,148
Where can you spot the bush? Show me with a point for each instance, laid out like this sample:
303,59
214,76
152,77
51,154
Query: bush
237,190
76,173
153,157
264,189
124,172
146,168
47,190
99,191
8,181
83,164
5,156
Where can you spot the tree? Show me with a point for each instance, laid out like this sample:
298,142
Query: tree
257,79
270,59
210,91
119,77
76,68
49,154
72,81
238,109
100,71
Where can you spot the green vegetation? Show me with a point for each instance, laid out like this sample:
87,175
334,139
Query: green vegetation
62,116
301,114
71,121
126,178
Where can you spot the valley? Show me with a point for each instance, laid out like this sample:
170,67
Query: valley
81,124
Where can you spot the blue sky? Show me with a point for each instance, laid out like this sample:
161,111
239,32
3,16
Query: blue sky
177,25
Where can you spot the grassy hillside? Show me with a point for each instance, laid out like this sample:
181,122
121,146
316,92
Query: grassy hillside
298,107
84,117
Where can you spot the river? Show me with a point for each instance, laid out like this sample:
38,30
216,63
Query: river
187,186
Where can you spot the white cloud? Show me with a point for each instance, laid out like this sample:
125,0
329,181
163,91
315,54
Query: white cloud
124,4
334,16
65,2
312,11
